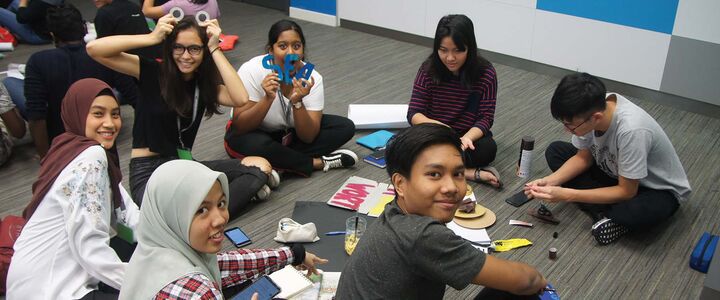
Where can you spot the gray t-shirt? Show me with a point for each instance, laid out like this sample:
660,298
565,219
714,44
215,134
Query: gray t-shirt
408,257
636,147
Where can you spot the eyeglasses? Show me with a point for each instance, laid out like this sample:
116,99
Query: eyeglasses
194,50
572,130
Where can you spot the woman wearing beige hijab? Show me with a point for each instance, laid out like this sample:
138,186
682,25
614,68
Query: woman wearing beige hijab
183,218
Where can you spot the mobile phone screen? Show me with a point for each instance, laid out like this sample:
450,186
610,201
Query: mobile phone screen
264,286
518,199
237,236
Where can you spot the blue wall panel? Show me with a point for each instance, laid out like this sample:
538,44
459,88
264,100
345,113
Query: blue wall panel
654,15
328,7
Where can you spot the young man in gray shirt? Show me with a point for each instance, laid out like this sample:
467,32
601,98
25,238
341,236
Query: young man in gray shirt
621,168
408,253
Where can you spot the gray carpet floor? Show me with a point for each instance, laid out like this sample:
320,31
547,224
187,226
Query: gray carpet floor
363,68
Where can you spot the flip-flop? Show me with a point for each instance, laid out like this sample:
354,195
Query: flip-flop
493,171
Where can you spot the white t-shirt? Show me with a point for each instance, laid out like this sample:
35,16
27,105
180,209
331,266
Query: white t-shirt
252,74
63,251
636,147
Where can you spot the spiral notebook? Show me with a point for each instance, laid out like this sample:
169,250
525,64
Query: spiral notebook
290,281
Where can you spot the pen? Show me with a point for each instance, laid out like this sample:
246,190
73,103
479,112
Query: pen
335,233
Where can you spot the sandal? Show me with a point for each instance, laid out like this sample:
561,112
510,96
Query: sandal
491,170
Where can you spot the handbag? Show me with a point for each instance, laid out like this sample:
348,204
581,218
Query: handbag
290,231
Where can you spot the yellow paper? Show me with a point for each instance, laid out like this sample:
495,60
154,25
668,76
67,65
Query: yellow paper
505,245
380,206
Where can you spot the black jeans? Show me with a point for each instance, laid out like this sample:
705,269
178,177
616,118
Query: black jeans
244,182
296,157
484,153
649,207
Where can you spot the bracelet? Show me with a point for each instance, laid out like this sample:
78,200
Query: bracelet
213,50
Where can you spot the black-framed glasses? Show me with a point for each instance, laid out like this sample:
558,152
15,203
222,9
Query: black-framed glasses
572,130
194,50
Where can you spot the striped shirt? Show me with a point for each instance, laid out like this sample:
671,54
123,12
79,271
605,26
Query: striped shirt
448,102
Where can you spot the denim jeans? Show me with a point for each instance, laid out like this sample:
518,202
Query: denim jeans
23,32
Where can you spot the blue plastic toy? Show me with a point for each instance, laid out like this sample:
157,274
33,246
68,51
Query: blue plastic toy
549,293
284,75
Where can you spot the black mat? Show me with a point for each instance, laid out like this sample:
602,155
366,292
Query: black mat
326,219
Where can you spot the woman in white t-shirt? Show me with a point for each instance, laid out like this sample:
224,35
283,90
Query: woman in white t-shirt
78,202
284,123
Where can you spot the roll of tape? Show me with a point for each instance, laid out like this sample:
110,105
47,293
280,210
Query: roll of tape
177,13
202,17
552,253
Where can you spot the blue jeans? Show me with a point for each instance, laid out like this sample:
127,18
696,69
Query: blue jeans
15,88
23,32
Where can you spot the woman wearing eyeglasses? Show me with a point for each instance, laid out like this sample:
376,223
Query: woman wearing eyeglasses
193,80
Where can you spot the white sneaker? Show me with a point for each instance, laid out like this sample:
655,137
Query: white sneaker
262,194
273,179
341,158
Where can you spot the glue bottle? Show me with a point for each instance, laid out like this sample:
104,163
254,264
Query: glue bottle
525,161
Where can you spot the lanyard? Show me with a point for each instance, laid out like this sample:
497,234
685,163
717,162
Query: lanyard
287,110
195,109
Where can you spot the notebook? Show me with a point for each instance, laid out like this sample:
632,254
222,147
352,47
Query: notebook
378,162
375,140
290,281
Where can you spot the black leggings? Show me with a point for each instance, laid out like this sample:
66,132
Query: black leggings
649,207
484,153
244,181
296,157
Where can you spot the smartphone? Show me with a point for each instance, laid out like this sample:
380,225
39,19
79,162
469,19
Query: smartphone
378,154
518,199
264,286
237,237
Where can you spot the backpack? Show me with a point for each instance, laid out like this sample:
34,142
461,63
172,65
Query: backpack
10,228
7,37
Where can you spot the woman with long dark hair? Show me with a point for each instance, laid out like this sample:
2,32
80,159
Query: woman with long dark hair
284,121
193,80
457,87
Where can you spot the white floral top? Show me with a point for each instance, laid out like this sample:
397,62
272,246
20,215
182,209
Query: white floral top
63,251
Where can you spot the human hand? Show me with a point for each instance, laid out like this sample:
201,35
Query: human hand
163,28
213,30
254,296
550,193
466,143
310,261
301,88
536,182
271,84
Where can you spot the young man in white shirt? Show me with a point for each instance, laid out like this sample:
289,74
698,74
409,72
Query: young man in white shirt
621,168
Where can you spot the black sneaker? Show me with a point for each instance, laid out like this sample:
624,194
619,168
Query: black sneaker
606,231
341,158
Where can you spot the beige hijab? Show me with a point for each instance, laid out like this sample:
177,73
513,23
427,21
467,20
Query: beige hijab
174,192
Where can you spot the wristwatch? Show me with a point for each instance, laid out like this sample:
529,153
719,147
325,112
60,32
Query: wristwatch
298,105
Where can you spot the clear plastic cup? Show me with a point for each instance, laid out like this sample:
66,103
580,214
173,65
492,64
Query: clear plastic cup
354,229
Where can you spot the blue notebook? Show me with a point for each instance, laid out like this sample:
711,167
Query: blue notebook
375,140
378,162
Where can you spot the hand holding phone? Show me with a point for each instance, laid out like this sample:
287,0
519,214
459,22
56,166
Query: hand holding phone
237,237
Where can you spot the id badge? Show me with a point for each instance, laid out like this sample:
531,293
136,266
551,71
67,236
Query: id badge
125,233
184,154
287,138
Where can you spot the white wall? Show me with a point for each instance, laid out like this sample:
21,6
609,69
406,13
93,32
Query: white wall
516,28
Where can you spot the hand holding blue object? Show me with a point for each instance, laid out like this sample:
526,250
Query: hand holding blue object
268,62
